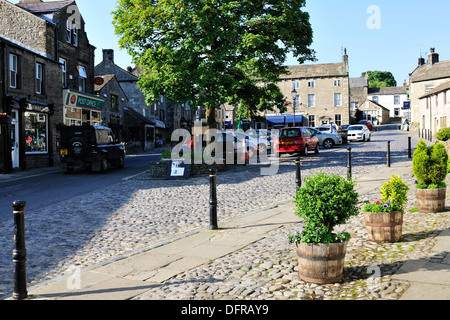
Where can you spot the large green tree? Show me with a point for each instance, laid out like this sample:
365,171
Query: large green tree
380,79
211,52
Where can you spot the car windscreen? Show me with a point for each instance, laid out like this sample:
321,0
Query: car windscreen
355,128
290,133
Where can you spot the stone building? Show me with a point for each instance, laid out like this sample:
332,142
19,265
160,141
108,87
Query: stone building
47,67
108,88
434,109
359,90
427,77
374,111
323,95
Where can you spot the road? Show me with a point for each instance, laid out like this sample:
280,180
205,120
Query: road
43,189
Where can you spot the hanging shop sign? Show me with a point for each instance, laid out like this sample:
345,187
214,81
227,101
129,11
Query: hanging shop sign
77,99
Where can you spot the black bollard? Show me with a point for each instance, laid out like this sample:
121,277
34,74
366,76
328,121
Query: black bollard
19,252
212,200
388,153
409,148
349,164
298,175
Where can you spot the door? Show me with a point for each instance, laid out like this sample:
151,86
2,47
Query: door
14,139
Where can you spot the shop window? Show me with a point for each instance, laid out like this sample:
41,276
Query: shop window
36,132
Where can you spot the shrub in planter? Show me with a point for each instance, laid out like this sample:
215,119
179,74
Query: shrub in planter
430,170
384,219
443,134
323,202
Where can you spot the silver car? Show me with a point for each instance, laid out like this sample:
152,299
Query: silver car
358,132
326,140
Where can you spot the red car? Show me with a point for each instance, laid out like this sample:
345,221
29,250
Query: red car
293,140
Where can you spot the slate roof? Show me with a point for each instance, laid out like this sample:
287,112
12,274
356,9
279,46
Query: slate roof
427,72
316,70
387,91
42,7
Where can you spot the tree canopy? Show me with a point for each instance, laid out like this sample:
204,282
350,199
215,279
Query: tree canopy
380,79
212,52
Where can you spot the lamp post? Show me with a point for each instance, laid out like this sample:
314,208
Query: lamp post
294,98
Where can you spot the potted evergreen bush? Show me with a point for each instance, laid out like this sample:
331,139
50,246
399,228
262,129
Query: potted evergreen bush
323,202
430,170
384,219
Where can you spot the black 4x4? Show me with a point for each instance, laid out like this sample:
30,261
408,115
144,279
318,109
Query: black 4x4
92,147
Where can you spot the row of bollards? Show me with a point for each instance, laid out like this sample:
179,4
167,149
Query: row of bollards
298,181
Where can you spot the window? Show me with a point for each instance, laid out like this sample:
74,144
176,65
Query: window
311,84
75,35
337,83
82,79
337,99
64,72
338,119
35,132
396,112
39,78
311,100
76,117
396,99
68,31
13,71
114,105
354,106
296,85
312,120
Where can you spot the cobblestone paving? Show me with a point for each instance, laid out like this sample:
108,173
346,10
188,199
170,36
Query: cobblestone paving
141,213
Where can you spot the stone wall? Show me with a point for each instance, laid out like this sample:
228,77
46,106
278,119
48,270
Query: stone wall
158,169
23,27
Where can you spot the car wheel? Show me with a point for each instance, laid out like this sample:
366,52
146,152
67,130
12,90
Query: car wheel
328,143
316,151
121,161
103,164
305,151
368,139
364,138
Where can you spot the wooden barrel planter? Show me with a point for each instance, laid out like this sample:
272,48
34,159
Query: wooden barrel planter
384,226
431,200
321,263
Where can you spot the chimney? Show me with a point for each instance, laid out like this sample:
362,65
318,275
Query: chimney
421,61
433,57
108,55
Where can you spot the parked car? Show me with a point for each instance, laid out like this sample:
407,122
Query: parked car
358,132
256,138
230,146
327,128
367,123
92,147
293,140
326,140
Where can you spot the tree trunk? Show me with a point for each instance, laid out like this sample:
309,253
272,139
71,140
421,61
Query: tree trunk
211,117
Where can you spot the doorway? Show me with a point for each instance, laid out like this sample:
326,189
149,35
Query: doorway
15,139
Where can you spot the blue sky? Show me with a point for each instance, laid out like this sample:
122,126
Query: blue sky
393,41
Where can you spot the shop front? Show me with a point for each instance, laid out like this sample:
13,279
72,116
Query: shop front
30,135
81,108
